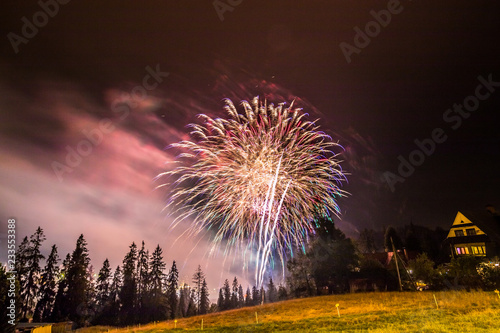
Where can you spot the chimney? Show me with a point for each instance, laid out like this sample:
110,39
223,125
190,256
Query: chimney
493,212
491,209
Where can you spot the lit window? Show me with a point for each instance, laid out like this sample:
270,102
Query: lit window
470,232
475,249
459,233
466,250
458,250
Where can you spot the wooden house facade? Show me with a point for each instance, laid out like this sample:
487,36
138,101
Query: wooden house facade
474,234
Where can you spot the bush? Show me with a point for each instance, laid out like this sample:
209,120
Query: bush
465,273
375,272
423,268
490,274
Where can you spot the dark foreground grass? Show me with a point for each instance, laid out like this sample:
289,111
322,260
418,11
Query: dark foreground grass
455,311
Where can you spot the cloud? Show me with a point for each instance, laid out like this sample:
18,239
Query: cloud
109,196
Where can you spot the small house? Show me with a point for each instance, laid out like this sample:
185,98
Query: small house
475,234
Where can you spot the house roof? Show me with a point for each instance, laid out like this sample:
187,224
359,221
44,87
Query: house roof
381,257
385,257
487,222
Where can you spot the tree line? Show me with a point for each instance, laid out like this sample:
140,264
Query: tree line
137,292
333,263
142,290
233,297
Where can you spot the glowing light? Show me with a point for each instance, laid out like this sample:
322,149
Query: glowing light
257,179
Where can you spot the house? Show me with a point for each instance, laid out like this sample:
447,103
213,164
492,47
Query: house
62,327
475,233
378,278
385,258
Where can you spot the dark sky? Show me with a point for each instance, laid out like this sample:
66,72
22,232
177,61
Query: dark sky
66,79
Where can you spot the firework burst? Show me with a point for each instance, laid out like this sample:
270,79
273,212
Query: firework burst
258,179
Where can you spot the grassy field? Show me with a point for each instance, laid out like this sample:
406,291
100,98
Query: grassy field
455,311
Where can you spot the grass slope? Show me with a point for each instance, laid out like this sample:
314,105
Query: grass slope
456,311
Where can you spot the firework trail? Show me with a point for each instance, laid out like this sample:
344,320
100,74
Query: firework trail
263,253
258,179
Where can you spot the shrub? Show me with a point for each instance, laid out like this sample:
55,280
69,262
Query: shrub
490,274
464,271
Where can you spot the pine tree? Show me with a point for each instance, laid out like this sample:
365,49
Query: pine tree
282,293
198,278
412,241
367,241
142,281
204,298
255,296
326,230
111,312
22,269
172,285
78,283
116,286
90,309
128,294
103,285
183,300
272,292
227,295
8,323
234,294
191,311
156,299
300,269
241,297
33,261
220,300
392,233
157,270
48,286
248,298
329,260
60,312
263,297
103,293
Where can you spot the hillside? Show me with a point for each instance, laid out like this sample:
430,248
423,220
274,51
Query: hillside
456,311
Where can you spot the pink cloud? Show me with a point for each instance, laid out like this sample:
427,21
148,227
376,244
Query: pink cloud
109,196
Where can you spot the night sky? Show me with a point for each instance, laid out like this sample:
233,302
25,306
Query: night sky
375,92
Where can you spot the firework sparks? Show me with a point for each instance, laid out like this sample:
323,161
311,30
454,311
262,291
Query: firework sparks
259,179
